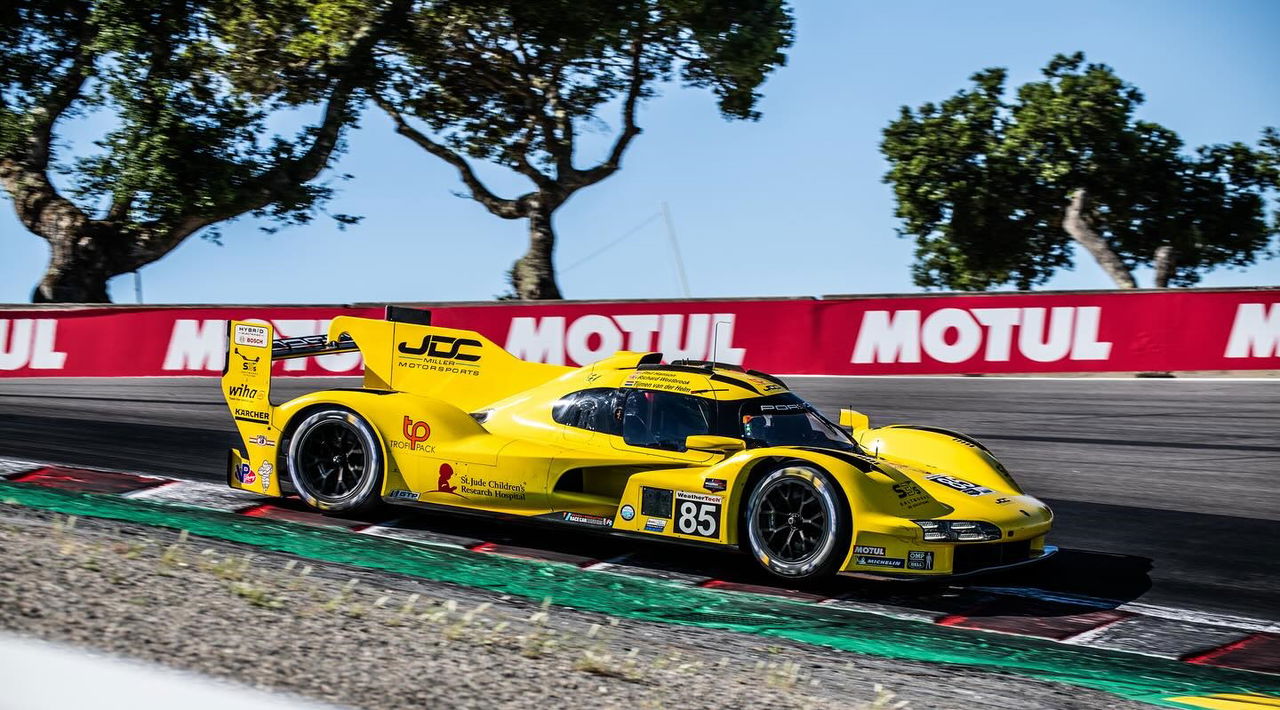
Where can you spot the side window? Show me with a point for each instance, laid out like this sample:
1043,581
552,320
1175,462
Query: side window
593,410
662,420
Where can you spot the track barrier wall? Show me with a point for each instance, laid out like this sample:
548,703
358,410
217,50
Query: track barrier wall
1013,333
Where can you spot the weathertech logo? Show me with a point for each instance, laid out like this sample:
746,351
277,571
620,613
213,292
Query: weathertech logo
955,335
585,339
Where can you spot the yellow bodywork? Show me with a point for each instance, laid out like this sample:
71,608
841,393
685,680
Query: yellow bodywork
464,424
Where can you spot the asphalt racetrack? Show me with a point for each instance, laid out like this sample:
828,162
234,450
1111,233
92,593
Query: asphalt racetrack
1166,491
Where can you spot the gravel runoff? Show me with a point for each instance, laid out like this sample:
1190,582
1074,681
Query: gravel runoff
370,640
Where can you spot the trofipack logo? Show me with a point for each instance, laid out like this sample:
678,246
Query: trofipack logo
562,340
954,335
415,432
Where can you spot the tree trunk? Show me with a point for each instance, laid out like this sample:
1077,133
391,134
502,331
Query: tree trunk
1076,223
1165,261
81,261
533,277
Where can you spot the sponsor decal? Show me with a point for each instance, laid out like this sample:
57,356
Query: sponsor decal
443,347
700,497
29,343
910,495
715,485
655,525
919,559
895,562
627,512
246,475
474,486
953,335
254,336
593,377
251,415
698,514
415,433
443,485
965,487
584,519
261,440
588,338
401,494
248,365
243,392
265,472
868,550
440,353
1001,501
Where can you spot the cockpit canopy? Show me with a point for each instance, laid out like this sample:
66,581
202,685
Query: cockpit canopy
663,420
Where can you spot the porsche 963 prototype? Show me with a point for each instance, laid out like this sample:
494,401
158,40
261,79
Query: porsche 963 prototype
687,451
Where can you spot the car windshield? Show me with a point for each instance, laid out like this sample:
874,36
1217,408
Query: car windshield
787,420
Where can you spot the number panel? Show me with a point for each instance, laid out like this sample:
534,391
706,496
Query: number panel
698,515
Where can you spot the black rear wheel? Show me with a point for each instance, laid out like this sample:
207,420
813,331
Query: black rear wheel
335,461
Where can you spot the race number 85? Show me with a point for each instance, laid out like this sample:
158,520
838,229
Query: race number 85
698,518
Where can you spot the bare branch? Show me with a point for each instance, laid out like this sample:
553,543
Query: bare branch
629,128
507,209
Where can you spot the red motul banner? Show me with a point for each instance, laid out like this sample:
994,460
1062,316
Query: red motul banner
979,334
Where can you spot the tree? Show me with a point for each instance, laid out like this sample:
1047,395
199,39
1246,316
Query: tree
994,192
189,87
515,82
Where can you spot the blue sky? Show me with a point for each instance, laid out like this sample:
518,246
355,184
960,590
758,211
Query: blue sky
790,205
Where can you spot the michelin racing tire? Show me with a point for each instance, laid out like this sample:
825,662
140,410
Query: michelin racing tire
796,523
335,462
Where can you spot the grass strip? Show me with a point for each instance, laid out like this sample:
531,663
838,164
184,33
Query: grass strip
1131,676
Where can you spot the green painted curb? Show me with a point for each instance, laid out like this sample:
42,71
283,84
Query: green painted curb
1131,676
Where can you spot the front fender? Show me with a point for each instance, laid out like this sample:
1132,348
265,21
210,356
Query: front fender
938,450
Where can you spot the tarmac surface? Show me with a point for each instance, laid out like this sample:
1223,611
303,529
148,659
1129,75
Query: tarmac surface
1166,491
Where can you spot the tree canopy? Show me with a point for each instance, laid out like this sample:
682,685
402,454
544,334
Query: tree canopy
515,82
995,190
189,87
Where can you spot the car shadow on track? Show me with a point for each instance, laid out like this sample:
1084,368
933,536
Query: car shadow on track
1071,583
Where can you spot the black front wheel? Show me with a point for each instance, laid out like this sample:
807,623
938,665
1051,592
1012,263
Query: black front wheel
335,461
796,523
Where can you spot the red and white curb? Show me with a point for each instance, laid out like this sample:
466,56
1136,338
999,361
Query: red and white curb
1187,635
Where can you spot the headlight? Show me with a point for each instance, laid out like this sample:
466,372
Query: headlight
958,530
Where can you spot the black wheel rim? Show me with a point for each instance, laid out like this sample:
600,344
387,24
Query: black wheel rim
791,520
333,459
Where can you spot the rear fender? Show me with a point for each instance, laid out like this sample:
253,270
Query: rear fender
413,432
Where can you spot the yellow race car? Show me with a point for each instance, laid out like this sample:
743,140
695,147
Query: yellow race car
688,451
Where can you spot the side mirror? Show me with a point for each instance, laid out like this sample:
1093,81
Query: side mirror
719,444
854,420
